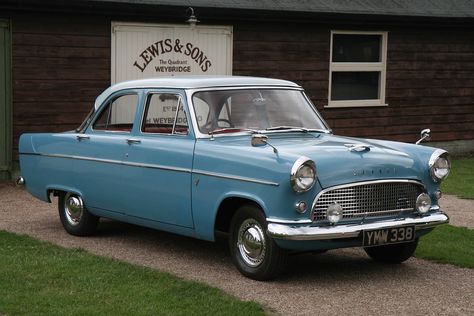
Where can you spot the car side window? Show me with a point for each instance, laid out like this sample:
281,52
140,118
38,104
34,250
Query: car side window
165,114
201,107
118,115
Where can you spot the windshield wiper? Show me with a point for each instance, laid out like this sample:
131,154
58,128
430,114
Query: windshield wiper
294,128
231,130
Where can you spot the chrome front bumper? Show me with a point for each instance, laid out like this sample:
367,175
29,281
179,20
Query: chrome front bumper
293,232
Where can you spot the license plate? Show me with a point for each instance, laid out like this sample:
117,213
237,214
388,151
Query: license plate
387,236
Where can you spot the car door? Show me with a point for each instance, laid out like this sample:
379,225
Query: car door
162,154
100,152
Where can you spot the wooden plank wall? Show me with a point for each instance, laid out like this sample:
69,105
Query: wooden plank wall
430,77
60,65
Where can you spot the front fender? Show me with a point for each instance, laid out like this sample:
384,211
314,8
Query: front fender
210,192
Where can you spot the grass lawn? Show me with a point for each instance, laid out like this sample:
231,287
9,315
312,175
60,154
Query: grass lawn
448,244
38,278
460,182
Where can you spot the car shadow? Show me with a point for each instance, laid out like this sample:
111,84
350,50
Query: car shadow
324,268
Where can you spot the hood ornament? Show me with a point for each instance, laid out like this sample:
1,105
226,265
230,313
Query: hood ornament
358,147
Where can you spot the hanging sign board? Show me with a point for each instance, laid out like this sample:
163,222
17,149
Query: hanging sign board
154,50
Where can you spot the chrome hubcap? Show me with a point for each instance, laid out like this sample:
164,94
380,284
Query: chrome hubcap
251,242
74,208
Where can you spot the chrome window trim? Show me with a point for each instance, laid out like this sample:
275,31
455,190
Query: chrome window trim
157,91
161,167
99,111
354,184
328,128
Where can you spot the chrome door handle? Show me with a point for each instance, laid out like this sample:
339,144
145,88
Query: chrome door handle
82,137
133,141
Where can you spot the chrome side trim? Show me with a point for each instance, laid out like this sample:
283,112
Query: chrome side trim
281,231
161,167
117,162
234,177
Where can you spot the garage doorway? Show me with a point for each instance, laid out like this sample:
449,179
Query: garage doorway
5,104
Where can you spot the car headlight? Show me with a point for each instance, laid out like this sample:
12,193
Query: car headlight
303,174
440,165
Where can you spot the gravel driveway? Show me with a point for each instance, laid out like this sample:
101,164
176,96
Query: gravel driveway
334,283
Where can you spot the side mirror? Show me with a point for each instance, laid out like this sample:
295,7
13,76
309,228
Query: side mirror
259,140
425,135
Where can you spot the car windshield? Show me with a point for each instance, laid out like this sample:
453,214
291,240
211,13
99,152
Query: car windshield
271,110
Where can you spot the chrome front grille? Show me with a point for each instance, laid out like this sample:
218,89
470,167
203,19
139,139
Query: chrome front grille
369,199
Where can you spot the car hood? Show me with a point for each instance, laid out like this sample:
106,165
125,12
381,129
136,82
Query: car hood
344,159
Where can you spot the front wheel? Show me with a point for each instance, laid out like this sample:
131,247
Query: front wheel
253,252
396,253
74,216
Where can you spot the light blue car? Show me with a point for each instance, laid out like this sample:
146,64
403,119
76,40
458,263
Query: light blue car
249,157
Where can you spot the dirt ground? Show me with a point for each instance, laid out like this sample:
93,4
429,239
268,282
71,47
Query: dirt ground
337,282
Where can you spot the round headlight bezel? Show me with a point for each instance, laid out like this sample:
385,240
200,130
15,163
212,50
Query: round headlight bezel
300,165
438,159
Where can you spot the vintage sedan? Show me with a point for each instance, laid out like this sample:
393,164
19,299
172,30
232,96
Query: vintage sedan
250,157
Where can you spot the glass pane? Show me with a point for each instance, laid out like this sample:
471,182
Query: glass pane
202,110
254,109
356,48
181,121
160,114
118,114
355,85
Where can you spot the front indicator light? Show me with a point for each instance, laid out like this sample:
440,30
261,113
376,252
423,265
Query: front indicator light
423,203
301,207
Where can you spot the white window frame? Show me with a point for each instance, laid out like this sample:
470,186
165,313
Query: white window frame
359,67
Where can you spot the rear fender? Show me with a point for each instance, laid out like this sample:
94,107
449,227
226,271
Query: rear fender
58,187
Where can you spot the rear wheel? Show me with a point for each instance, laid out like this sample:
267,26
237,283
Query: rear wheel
74,216
254,253
396,253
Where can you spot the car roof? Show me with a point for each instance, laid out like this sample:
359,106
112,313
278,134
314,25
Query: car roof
193,82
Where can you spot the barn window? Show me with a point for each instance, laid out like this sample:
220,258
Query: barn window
357,69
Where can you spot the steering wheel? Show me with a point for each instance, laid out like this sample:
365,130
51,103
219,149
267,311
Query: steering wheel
224,121
210,124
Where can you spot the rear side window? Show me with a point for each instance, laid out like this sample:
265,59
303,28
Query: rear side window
165,114
118,115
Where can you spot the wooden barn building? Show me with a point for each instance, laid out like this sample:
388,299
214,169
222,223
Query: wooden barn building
378,69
